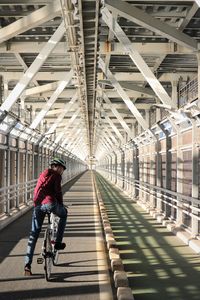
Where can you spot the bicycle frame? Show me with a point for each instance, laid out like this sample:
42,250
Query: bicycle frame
49,254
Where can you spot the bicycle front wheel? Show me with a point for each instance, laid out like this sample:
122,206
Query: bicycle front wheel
48,254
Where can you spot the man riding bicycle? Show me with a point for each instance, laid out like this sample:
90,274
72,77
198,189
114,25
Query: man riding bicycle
47,198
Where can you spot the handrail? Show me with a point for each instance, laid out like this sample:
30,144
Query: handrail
189,206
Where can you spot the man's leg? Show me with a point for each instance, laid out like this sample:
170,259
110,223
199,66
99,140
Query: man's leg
37,221
61,212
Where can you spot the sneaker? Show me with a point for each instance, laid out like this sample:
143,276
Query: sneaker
59,246
27,270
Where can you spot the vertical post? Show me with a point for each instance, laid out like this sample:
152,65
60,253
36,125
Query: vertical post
158,174
17,173
33,161
115,168
174,83
7,203
179,214
152,175
198,74
195,172
122,168
168,171
110,168
135,170
26,174
5,86
131,171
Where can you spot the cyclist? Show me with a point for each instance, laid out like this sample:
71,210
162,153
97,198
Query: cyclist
47,198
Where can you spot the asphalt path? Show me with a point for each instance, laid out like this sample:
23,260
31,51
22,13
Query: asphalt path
82,270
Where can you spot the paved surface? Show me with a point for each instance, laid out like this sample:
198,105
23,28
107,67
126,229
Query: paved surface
82,267
158,264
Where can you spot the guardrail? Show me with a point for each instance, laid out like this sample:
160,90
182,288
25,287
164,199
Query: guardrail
189,92
174,206
13,196
17,199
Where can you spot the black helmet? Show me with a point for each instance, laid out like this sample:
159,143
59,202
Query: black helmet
58,161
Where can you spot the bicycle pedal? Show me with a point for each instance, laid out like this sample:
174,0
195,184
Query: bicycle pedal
40,260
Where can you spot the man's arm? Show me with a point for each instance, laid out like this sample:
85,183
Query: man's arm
58,189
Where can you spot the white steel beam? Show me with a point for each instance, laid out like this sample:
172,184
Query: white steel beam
71,135
59,119
59,137
189,16
118,116
129,86
108,146
103,136
122,106
152,49
36,18
111,94
145,20
101,145
138,60
41,89
67,142
108,139
75,141
123,95
114,128
62,84
115,141
33,69
198,2
120,76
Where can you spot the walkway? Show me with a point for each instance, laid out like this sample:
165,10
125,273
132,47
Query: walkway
159,265
82,269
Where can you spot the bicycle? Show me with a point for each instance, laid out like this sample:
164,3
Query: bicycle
49,255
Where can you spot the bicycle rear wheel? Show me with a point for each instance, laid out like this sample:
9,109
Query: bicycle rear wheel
48,254
55,257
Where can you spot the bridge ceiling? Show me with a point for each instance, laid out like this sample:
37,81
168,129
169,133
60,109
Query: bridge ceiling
106,70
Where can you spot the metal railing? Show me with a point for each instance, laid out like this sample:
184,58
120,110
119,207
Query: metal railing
172,204
189,92
13,196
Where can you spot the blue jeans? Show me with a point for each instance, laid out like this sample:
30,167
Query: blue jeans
38,216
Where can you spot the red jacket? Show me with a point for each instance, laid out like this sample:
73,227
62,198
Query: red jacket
48,188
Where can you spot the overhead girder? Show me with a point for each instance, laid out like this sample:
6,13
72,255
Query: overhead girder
129,86
151,49
138,60
68,93
61,85
36,18
120,76
75,115
136,15
40,89
114,128
118,116
33,69
123,95
61,115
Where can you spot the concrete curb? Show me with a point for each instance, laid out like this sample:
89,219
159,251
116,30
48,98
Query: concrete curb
124,292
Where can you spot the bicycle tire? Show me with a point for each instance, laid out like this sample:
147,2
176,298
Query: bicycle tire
48,259
55,257
54,227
